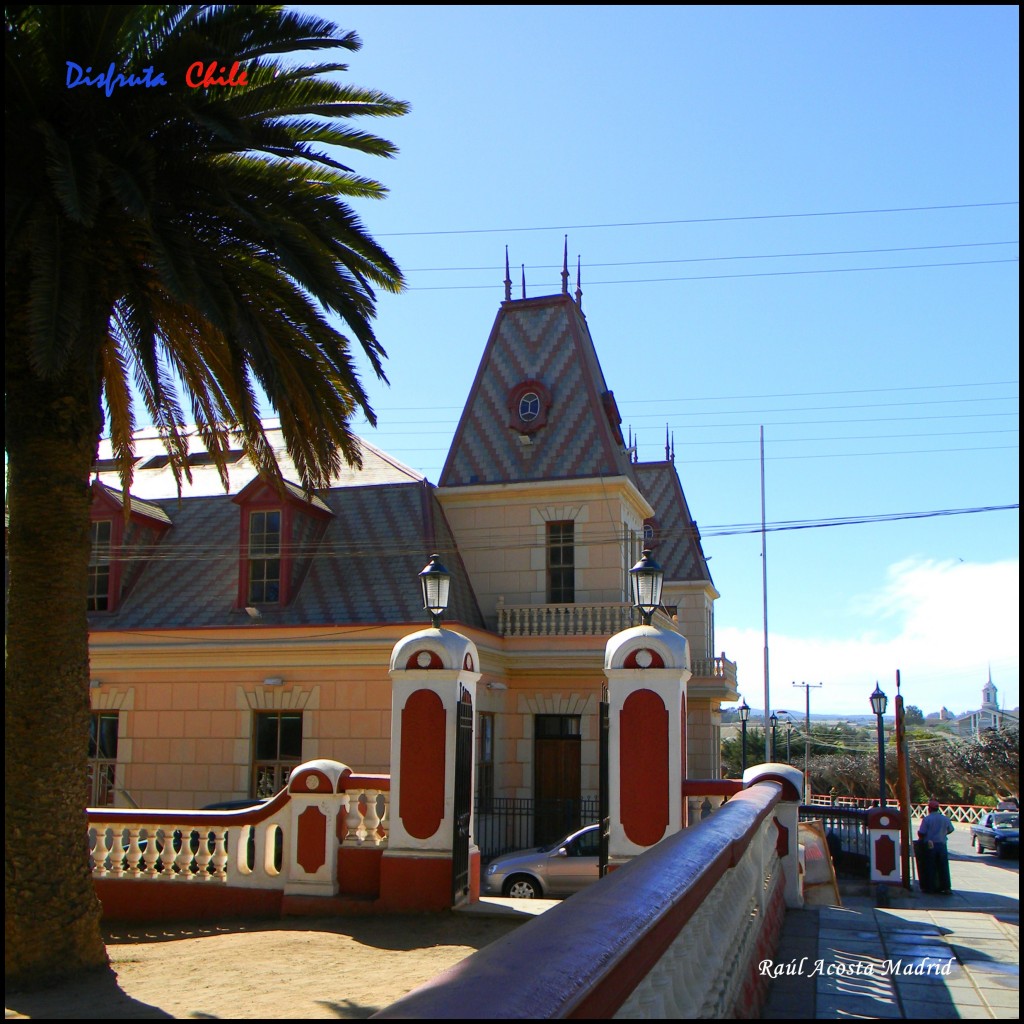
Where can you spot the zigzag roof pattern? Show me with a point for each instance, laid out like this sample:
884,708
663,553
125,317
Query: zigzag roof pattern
676,543
547,340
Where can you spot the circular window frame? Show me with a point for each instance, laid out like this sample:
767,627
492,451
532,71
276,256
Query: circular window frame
516,398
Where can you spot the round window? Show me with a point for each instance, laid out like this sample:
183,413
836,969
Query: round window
529,407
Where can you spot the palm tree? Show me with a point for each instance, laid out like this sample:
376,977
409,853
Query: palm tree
176,244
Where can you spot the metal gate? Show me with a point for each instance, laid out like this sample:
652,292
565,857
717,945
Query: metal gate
463,795
602,783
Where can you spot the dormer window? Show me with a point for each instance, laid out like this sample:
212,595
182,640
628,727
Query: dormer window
264,557
120,545
99,566
279,529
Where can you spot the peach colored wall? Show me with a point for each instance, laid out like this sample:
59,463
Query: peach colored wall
185,732
186,704
703,746
501,534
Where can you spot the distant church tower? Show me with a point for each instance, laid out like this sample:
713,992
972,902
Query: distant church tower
989,699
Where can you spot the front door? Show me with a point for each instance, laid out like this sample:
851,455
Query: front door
556,776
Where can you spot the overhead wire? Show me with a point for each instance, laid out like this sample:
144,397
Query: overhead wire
698,220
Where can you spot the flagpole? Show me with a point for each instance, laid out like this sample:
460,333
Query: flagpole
764,603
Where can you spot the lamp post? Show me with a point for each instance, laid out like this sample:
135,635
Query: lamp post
645,582
435,580
789,738
744,710
879,701
775,722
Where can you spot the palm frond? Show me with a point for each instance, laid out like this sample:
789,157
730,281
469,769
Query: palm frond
198,246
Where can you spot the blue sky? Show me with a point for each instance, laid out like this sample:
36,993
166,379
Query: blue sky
675,146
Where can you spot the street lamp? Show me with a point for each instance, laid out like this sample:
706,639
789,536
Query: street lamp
789,737
775,722
744,710
436,581
879,702
645,581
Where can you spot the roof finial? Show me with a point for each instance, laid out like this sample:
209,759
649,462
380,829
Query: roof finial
636,446
579,290
673,446
522,266
565,267
666,443
508,278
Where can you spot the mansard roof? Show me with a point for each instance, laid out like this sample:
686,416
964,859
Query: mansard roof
541,345
363,568
676,541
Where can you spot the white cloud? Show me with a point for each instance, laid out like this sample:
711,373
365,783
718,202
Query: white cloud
940,623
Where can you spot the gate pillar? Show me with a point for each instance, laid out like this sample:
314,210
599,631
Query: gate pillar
433,672
647,669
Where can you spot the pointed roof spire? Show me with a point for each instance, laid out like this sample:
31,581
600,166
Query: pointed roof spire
579,290
673,459
522,267
508,278
666,444
565,266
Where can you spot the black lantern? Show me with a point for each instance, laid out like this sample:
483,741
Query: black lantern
744,710
436,581
775,724
879,702
645,580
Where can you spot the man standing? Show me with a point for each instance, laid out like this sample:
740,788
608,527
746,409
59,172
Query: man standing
933,833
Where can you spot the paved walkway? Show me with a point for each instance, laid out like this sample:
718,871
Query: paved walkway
922,956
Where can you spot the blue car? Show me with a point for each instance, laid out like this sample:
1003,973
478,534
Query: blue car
998,831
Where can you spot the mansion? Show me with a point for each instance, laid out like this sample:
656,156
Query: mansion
235,635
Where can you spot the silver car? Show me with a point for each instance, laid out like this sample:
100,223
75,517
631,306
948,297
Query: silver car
556,870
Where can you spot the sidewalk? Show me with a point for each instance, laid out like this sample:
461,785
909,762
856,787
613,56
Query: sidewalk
922,956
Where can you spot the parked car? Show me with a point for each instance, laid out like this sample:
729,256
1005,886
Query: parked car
998,831
557,870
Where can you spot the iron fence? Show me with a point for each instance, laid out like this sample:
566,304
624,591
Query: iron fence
502,824
846,829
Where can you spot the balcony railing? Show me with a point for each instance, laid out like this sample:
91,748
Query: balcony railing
599,619
715,668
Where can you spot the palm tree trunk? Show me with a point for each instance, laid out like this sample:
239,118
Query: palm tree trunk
52,914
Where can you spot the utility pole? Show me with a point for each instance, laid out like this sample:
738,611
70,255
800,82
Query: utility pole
807,687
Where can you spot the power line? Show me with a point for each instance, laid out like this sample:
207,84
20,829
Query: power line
217,552
815,394
716,259
727,277
729,398
695,220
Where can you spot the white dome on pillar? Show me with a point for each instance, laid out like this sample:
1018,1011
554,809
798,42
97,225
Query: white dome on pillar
647,647
435,649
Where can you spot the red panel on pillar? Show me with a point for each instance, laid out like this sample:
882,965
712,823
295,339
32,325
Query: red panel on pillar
643,767
421,778
885,855
311,842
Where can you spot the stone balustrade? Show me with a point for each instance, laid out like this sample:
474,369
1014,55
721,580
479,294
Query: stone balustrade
714,668
248,848
600,619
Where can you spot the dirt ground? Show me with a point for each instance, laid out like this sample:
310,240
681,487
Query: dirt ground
342,967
